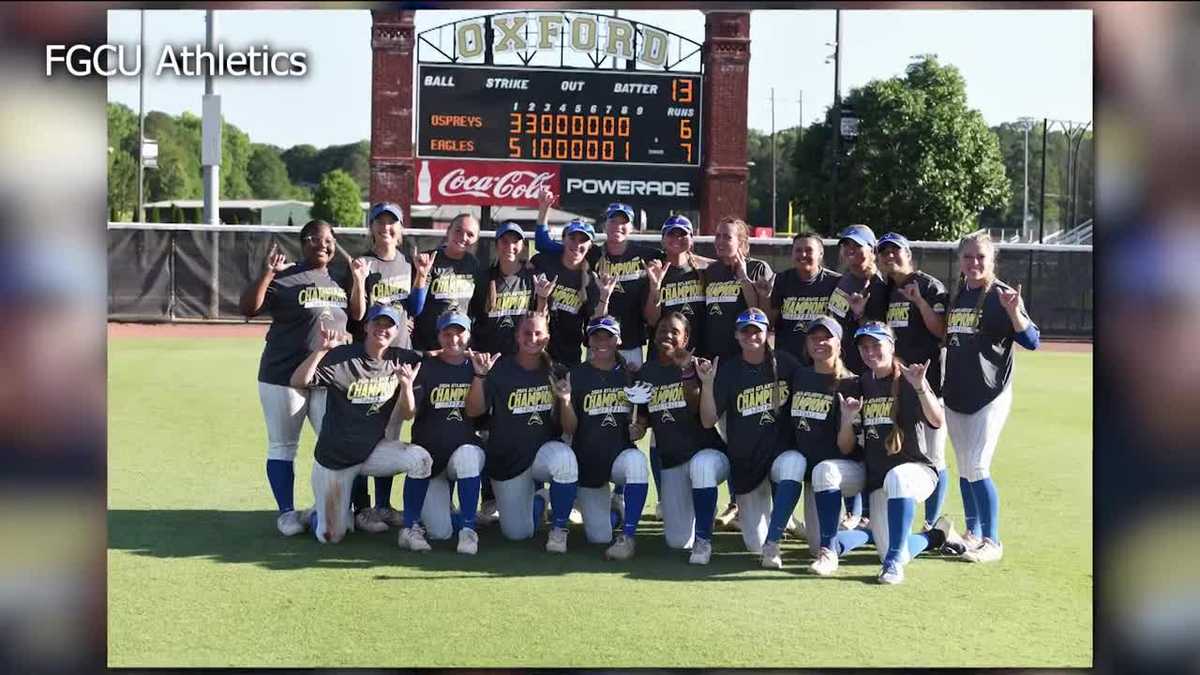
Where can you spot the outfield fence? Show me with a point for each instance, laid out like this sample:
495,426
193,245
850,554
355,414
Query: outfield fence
183,273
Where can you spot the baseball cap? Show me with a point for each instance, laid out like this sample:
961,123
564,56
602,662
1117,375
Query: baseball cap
507,227
753,317
453,319
616,208
895,239
877,330
604,323
826,322
859,234
677,223
390,312
386,207
579,226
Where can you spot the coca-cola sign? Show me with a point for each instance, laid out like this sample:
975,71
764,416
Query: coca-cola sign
473,182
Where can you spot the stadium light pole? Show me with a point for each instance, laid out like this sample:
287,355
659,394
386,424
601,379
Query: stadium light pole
837,119
141,216
1027,122
774,170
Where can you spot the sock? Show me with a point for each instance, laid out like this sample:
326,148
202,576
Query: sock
787,494
414,499
562,498
383,492
635,501
900,512
704,503
829,507
539,507
281,474
969,508
918,543
468,500
359,499
988,502
848,540
854,505
456,521
933,505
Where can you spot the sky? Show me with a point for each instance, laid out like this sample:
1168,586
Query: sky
1016,63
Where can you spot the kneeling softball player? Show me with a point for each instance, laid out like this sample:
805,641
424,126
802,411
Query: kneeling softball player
360,434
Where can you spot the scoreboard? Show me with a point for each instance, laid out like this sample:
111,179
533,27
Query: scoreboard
558,115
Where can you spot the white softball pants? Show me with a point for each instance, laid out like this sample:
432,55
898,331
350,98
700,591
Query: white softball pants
935,445
331,487
553,462
706,469
975,436
465,462
754,507
595,504
911,480
284,409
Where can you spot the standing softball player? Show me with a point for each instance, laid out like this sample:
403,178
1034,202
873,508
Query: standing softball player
509,292
801,294
676,283
452,279
861,294
360,434
986,317
573,296
303,299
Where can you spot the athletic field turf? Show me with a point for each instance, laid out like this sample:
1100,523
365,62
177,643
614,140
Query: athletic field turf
198,575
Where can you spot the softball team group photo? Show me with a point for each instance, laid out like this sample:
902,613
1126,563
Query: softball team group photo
527,384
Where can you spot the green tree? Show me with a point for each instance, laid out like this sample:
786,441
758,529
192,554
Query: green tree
267,174
923,164
758,148
336,200
122,184
176,214
235,161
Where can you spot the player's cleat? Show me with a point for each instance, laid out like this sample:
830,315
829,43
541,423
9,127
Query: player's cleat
413,539
468,541
971,540
728,515
556,542
893,573
826,563
952,543
290,523
851,521
988,551
701,552
390,516
622,548
368,520
487,514
771,559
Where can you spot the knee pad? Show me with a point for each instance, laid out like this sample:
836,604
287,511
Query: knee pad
633,466
422,462
704,469
467,461
975,473
283,451
560,461
826,476
789,466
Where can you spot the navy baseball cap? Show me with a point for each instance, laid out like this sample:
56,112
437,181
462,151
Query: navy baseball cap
604,323
753,317
677,223
877,330
619,208
579,226
384,310
895,239
859,234
826,322
507,227
453,319
386,207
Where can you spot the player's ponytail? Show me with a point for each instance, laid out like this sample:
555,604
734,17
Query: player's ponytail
895,439
777,393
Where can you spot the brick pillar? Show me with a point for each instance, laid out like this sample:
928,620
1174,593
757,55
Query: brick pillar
726,82
392,43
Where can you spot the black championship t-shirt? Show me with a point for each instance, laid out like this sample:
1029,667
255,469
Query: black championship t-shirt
979,350
441,424
914,342
520,403
629,296
389,282
877,424
451,282
876,290
496,316
301,302
362,394
724,301
604,413
757,427
683,292
816,415
799,302
570,307
678,433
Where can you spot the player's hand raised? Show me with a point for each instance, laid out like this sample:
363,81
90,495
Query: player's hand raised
707,370
1010,299
276,261
482,362
359,268
656,271
424,263
858,304
850,407
915,374
332,338
544,287
911,292
408,373
562,389
546,199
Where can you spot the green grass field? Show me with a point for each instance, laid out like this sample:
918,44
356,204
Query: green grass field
198,575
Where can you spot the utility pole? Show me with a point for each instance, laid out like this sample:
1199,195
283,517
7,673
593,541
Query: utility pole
837,120
1042,209
774,171
1027,122
140,215
210,160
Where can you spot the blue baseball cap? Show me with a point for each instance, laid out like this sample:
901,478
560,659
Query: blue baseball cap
753,317
877,330
390,312
619,208
895,239
386,207
507,227
826,322
604,323
453,319
577,225
677,223
859,234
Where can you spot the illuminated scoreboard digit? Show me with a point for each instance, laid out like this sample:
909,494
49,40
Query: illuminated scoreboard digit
557,115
